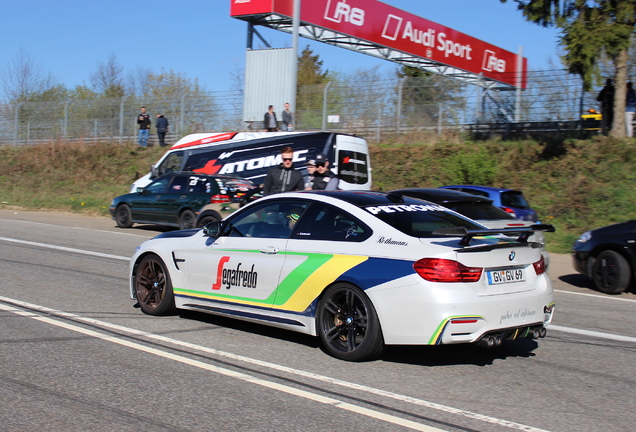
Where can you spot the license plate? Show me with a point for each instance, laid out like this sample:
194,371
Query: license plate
497,277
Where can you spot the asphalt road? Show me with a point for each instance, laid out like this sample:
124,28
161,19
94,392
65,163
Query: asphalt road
77,356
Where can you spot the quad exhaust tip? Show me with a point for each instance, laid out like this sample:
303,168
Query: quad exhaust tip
494,340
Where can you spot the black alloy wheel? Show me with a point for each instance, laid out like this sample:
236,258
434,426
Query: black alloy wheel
612,272
153,287
123,216
348,325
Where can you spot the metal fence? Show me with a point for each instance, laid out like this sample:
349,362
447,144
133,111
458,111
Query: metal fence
362,104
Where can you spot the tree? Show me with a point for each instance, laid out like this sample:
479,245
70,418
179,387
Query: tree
108,80
24,80
589,29
423,92
310,89
310,68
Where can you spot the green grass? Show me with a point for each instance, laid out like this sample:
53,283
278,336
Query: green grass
576,185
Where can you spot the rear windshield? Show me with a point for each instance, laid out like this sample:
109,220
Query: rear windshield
479,211
514,199
420,220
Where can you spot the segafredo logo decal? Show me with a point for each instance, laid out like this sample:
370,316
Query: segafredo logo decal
236,277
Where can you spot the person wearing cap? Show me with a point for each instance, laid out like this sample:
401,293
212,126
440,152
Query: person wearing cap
283,177
309,178
293,217
324,178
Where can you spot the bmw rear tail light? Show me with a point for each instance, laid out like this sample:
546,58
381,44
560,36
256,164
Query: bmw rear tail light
507,210
444,270
539,266
215,199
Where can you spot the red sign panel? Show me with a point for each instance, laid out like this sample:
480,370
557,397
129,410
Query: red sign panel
377,22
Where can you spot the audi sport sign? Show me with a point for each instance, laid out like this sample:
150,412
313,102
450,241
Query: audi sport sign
381,24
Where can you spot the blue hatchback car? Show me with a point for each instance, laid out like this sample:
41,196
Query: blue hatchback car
510,200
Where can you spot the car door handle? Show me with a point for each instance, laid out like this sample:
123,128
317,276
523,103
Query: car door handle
270,250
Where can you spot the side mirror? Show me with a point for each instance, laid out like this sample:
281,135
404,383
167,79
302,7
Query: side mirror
140,190
212,229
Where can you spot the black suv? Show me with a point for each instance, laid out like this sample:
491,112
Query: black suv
176,199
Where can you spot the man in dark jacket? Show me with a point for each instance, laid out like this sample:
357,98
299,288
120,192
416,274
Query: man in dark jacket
324,179
143,120
283,177
269,121
162,129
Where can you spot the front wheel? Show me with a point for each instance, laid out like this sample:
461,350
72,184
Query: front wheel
153,287
348,324
187,220
123,216
611,272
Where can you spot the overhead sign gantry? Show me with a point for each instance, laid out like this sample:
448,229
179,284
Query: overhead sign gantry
380,30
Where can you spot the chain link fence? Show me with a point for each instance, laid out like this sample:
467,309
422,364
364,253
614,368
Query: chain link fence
362,105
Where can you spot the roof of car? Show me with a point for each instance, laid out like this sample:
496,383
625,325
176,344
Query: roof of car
364,198
484,188
442,195
222,176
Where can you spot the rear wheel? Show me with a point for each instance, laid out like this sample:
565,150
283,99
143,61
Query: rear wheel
348,324
123,216
612,272
187,219
153,287
206,220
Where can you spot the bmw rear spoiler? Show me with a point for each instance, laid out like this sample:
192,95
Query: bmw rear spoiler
467,235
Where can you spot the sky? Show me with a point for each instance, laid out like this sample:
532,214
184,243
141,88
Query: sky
70,38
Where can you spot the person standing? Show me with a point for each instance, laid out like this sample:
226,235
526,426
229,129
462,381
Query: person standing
162,129
143,120
324,179
630,108
288,119
606,98
283,177
269,122
309,178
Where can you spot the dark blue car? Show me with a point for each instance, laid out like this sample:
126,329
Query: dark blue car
510,200
608,256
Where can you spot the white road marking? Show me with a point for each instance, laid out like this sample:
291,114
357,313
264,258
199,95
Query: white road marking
232,374
595,296
67,249
280,368
592,333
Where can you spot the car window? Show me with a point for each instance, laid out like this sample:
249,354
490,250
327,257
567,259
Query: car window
514,199
159,185
474,191
324,222
479,211
193,184
420,220
273,219
171,163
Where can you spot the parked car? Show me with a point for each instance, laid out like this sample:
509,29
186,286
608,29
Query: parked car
176,199
478,208
360,270
510,200
608,256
